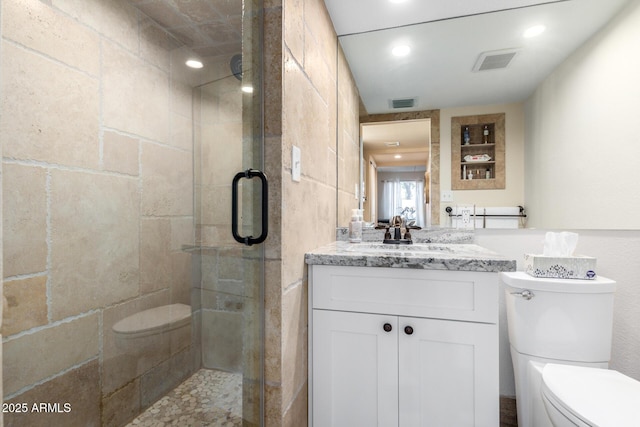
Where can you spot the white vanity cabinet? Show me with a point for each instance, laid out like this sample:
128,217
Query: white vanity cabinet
402,347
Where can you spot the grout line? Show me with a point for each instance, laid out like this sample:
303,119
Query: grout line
50,325
101,105
26,276
53,166
48,238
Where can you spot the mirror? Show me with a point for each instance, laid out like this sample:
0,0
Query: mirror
570,96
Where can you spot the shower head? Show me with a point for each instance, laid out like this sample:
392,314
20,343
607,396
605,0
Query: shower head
236,66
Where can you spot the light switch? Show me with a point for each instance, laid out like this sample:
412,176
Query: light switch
295,163
446,196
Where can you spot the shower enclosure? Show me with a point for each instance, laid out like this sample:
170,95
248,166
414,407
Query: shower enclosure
124,271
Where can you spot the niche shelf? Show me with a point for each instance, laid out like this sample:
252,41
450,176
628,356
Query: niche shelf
477,136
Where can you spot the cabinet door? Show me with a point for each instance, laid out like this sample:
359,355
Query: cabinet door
355,369
448,373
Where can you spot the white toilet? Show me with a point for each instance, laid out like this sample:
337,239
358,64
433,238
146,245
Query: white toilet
560,336
585,397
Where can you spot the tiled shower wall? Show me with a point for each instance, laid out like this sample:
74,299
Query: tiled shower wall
97,183
310,102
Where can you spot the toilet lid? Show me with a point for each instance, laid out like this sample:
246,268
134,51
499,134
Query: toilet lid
599,397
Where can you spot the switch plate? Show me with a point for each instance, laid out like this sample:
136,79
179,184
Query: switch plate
295,163
446,196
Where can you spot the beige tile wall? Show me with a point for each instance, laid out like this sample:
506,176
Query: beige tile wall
97,201
309,106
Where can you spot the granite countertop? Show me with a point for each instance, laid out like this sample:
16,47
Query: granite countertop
430,235
428,256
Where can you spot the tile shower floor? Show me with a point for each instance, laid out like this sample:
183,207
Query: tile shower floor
207,398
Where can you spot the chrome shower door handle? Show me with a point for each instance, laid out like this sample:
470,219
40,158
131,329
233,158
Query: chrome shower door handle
526,294
249,240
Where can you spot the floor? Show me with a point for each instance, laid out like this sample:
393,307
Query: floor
213,398
508,412
208,398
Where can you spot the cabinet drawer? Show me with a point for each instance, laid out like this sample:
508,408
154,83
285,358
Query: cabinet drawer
454,295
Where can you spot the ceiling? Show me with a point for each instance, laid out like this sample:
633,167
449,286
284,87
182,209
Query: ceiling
208,28
446,38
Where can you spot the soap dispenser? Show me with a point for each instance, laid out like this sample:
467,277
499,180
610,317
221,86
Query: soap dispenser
355,226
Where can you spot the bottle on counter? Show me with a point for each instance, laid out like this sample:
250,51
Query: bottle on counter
487,174
485,134
355,226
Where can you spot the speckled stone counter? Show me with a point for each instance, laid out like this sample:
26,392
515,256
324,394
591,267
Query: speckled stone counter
428,256
430,235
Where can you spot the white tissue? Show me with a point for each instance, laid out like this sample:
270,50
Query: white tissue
560,244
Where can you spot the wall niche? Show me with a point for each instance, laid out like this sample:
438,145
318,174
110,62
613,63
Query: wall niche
478,152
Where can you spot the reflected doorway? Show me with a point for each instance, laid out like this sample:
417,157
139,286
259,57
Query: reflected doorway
397,172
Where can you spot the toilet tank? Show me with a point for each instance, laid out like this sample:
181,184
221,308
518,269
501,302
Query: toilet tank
565,319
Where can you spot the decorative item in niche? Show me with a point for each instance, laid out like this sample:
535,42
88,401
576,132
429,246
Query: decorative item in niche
478,152
477,158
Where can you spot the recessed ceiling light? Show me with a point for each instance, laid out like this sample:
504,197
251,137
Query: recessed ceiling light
536,30
401,50
247,89
193,63
397,156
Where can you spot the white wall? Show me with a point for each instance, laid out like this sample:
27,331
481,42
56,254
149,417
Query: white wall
582,137
513,194
618,258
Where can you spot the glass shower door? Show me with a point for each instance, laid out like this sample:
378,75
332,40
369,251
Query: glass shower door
230,194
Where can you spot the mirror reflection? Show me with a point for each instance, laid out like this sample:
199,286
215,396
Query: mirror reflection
570,96
396,160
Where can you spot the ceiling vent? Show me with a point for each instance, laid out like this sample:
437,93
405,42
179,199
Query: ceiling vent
495,59
403,103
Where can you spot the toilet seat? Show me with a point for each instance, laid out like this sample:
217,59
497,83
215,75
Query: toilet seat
592,397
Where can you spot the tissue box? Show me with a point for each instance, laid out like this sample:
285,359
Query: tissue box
574,267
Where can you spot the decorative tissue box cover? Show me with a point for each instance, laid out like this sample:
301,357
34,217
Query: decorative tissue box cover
574,267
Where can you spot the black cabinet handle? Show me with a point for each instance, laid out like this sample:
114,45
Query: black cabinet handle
387,327
249,240
408,330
